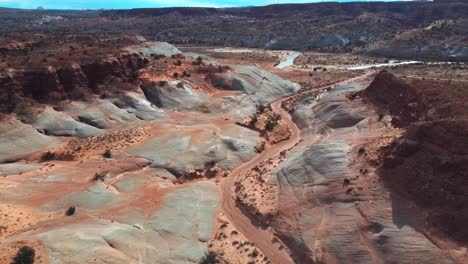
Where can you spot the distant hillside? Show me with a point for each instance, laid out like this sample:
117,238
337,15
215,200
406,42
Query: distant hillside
407,30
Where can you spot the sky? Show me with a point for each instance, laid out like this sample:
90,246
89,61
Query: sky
125,4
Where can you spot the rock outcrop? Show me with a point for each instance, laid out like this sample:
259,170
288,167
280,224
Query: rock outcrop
433,145
47,84
331,207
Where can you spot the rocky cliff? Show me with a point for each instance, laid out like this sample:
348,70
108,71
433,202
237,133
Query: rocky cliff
48,84
428,164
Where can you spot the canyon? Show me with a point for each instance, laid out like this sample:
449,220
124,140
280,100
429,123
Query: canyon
119,147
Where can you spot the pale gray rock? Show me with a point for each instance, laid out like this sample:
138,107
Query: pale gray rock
93,197
262,86
177,150
331,110
18,168
176,95
18,140
56,123
138,105
174,234
329,219
155,47
102,114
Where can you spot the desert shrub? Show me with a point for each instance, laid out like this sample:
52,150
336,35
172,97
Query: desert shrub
253,120
48,156
99,177
70,211
255,253
199,61
272,122
362,151
162,83
260,108
107,154
178,63
175,75
25,255
210,258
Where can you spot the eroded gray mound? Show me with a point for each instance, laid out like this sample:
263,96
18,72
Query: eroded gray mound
93,197
138,105
327,216
191,148
154,47
18,168
174,234
101,114
310,169
17,140
56,123
261,86
331,111
175,95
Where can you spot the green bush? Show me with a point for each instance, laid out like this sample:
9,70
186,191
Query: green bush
25,255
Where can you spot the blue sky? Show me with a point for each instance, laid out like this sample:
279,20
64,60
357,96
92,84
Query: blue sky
119,4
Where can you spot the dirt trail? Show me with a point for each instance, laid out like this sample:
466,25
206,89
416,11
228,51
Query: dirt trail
263,238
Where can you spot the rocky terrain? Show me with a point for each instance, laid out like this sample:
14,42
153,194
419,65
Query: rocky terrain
127,140
122,148
421,30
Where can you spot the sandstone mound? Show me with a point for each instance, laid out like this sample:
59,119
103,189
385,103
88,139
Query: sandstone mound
101,114
18,140
56,123
262,86
154,47
137,104
331,111
178,150
331,209
175,95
